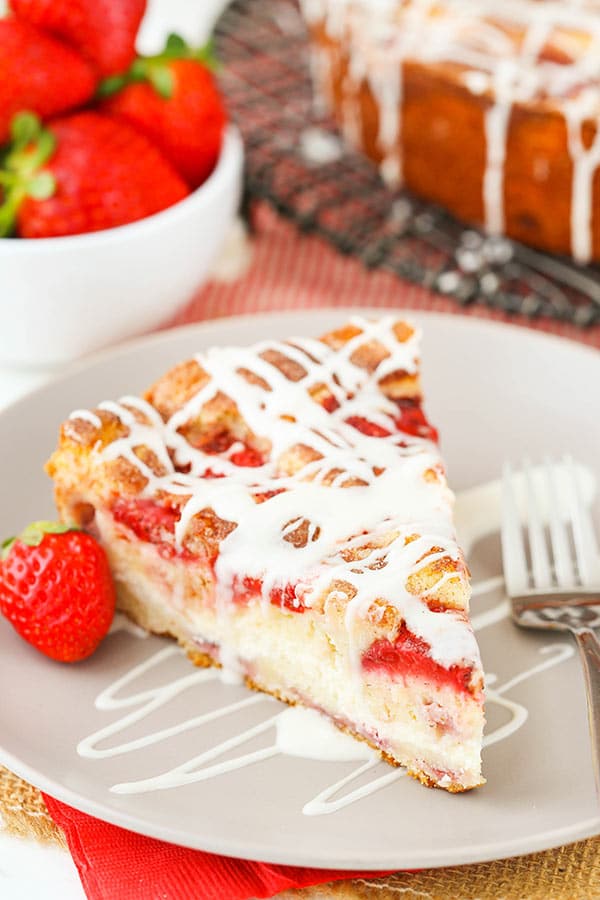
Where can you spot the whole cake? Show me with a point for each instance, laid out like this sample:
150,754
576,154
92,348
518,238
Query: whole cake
488,108
282,510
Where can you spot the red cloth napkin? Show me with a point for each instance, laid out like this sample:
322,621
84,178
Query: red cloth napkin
288,271
115,864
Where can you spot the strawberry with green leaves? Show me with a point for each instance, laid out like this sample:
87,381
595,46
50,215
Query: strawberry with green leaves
81,173
39,73
103,31
173,99
56,590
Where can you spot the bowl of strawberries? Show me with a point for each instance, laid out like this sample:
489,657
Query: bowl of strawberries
119,177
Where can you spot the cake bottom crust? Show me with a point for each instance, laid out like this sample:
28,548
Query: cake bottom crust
168,622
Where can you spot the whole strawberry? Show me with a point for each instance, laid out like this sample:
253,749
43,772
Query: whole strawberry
39,73
103,31
82,173
56,590
174,100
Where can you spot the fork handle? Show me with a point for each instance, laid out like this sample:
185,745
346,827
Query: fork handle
589,649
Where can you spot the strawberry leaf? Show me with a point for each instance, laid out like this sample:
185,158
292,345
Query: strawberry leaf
207,55
162,80
175,47
42,186
139,70
44,148
111,85
33,535
24,128
156,69
30,148
5,547
8,210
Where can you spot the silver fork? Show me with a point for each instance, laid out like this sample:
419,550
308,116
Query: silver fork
560,587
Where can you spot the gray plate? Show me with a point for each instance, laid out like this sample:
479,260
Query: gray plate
496,392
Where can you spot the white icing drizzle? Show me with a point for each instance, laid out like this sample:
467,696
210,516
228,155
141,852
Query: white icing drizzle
86,416
556,653
386,83
308,734
586,162
394,500
149,701
491,616
514,53
299,732
323,803
320,69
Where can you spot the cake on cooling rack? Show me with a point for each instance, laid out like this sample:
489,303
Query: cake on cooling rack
282,510
489,109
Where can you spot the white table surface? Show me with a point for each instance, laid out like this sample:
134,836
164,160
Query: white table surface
29,869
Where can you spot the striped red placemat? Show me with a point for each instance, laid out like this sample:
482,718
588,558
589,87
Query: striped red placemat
290,271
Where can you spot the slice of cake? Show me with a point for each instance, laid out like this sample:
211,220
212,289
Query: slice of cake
282,510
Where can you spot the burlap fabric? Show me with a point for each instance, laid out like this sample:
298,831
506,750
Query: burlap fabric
569,873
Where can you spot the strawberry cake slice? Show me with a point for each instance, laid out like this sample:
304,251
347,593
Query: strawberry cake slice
282,511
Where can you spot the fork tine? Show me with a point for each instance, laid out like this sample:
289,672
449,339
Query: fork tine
514,561
586,546
540,563
563,560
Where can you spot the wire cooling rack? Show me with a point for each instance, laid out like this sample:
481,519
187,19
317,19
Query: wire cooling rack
296,161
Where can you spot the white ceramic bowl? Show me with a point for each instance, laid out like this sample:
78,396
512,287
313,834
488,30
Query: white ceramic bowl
63,297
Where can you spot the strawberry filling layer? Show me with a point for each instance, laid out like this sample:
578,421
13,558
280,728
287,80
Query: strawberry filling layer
155,524
330,403
371,429
410,656
152,524
221,441
247,589
411,420
248,457
148,521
